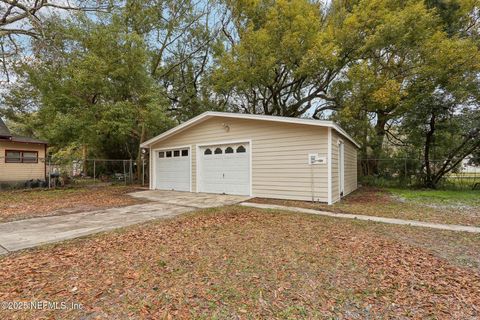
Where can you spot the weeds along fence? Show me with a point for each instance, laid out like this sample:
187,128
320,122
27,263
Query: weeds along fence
409,172
23,172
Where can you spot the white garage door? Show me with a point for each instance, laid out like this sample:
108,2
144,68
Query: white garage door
172,169
225,169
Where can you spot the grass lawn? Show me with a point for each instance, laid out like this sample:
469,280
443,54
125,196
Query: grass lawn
22,204
440,197
452,207
246,263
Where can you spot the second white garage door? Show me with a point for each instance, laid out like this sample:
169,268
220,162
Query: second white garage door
225,169
173,169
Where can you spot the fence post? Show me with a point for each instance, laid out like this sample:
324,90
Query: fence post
143,172
124,173
49,172
131,171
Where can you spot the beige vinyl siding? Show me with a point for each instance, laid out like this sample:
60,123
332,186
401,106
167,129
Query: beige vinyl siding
350,167
13,172
279,154
335,166
350,163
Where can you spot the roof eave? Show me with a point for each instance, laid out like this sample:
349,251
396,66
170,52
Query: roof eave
209,114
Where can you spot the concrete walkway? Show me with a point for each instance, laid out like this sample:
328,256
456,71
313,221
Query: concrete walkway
414,223
28,233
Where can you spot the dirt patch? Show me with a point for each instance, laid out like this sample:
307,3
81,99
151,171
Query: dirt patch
17,205
241,263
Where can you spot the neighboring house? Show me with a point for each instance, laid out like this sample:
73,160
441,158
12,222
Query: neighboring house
21,158
469,168
255,155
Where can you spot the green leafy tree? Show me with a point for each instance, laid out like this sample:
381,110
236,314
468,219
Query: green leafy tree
280,57
408,57
92,89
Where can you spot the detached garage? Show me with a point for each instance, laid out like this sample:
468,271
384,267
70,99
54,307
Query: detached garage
255,155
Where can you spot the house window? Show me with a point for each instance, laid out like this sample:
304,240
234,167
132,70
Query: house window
229,150
17,156
241,149
185,153
176,153
218,151
208,151
13,156
161,154
30,156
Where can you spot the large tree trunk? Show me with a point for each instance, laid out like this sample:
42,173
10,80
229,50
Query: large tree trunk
84,157
140,154
377,144
429,179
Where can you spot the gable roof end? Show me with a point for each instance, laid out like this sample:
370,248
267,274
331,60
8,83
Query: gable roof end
4,132
210,114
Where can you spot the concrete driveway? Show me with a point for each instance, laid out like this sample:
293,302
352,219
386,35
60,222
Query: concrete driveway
189,199
30,233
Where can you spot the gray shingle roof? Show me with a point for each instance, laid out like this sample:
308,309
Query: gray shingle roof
27,140
4,132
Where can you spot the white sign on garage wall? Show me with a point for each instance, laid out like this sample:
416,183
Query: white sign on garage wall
316,158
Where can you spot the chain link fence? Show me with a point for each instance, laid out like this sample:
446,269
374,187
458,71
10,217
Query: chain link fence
23,172
409,172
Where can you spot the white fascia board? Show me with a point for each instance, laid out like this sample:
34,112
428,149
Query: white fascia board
329,164
209,114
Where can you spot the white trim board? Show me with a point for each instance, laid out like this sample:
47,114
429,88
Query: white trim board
210,114
329,164
341,168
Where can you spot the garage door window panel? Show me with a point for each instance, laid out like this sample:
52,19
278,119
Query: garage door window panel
208,152
229,150
241,149
218,151
185,153
176,153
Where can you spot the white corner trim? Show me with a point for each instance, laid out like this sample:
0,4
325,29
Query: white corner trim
251,167
329,161
197,167
190,153
150,170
